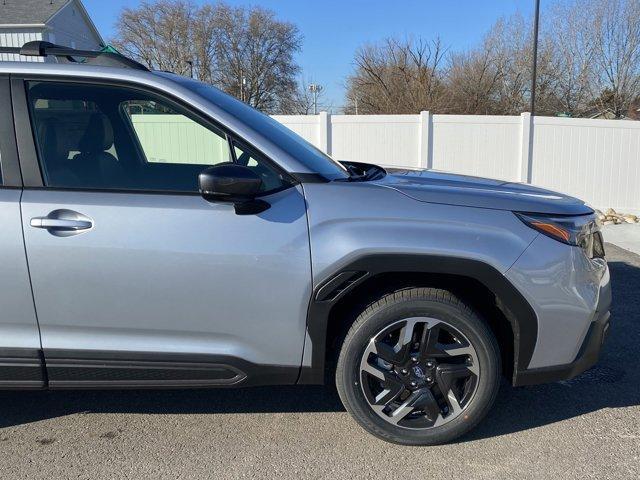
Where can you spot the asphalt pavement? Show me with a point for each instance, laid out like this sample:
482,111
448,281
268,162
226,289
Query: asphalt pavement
585,428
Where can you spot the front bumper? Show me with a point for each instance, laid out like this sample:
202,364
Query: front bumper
586,358
571,296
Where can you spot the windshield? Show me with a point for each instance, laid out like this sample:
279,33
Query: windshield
313,158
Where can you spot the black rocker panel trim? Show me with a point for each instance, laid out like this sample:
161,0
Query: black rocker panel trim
521,315
110,369
21,368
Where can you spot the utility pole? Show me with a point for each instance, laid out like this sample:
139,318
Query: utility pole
315,89
243,87
534,72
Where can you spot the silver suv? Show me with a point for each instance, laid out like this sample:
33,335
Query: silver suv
159,233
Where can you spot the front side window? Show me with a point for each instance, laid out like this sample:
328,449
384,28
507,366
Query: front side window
116,138
166,136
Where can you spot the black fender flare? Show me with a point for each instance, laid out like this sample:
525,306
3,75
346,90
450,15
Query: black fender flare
327,293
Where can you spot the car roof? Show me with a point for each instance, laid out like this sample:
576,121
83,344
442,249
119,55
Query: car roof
69,69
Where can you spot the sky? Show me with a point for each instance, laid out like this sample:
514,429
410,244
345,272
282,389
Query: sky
333,30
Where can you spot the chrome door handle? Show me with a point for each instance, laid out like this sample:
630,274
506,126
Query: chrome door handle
60,224
63,223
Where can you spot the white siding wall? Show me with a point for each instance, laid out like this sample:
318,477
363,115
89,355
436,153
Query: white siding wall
596,160
70,28
16,37
67,27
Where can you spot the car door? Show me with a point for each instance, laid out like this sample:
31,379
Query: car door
136,278
20,359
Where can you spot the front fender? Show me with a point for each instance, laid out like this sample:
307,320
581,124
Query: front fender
370,229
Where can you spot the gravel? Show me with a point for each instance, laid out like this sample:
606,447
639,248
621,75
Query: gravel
588,427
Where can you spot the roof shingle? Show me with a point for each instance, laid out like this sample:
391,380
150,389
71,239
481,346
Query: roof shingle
26,12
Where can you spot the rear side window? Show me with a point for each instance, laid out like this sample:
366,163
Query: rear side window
117,138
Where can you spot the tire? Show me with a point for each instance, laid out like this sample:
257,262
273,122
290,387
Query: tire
445,326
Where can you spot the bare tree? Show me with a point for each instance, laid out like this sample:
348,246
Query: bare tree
397,77
255,56
204,43
588,62
510,42
596,58
158,34
589,58
567,28
473,82
245,51
617,53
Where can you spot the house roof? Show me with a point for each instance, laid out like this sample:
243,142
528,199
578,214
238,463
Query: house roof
38,12
29,12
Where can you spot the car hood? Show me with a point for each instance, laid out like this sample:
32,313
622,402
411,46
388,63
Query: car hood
440,187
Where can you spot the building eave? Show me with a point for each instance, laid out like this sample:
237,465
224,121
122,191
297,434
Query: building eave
23,25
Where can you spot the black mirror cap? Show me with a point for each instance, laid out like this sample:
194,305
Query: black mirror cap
229,183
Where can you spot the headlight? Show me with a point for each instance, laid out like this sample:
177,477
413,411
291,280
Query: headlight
582,231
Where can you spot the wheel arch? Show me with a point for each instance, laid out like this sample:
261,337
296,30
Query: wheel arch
336,300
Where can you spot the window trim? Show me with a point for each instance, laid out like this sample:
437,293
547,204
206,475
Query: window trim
30,162
10,168
245,146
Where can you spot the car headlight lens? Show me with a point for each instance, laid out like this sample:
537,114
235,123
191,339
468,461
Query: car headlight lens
581,231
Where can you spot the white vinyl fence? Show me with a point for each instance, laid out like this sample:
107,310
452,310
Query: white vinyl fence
596,160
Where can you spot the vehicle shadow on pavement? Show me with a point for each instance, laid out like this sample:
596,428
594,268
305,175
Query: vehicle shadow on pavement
614,382
31,406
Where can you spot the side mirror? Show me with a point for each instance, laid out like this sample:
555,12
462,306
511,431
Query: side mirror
235,184
229,183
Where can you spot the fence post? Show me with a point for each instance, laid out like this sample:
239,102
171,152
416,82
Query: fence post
325,132
526,147
425,140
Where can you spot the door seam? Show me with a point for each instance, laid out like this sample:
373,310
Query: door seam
306,320
45,376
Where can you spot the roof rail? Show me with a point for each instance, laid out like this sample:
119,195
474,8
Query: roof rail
91,57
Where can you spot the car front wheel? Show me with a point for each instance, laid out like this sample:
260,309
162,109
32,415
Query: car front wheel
418,367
